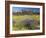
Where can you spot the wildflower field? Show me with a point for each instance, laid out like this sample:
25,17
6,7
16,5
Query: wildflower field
26,22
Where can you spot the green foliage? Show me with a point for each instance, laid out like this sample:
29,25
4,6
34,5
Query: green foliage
19,25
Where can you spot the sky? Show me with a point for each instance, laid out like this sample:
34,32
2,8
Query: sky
19,9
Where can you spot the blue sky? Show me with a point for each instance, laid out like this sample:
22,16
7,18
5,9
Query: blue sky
18,9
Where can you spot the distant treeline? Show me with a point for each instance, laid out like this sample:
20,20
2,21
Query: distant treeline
26,13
